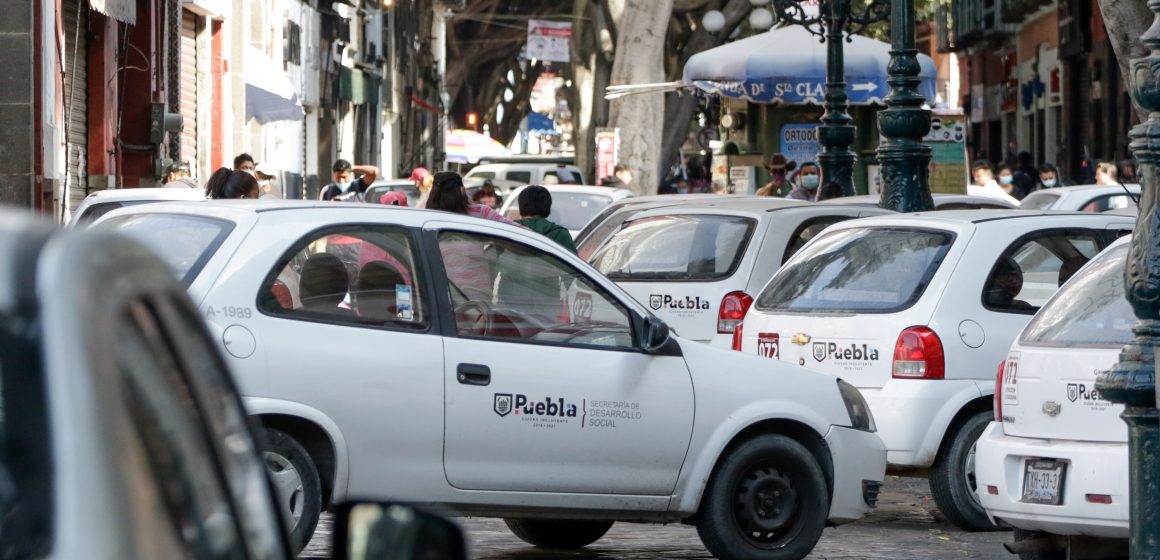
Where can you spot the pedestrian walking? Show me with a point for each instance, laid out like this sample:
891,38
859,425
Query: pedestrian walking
266,174
984,183
449,195
1048,177
1106,173
779,185
423,181
466,266
177,176
1025,176
1007,179
806,182
486,195
535,206
244,162
231,184
346,187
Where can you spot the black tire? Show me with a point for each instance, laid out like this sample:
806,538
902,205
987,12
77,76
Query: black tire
794,503
1021,535
558,533
952,482
305,501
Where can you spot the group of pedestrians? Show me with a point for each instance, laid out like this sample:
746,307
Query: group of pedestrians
788,180
245,180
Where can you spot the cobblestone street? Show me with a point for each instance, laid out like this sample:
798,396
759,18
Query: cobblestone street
904,526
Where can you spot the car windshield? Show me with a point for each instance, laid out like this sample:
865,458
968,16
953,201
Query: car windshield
1039,201
858,270
690,247
188,242
1091,310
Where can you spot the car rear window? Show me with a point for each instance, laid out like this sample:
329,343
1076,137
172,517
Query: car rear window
1088,311
188,242
859,270
575,210
1039,201
674,248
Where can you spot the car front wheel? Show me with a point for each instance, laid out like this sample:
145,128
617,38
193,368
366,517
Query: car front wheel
952,479
558,533
767,500
296,486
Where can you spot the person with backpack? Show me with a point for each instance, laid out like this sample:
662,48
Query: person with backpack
345,186
535,206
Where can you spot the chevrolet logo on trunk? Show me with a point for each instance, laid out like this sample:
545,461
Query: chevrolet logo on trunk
801,339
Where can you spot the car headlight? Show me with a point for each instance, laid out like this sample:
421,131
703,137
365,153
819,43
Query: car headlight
860,417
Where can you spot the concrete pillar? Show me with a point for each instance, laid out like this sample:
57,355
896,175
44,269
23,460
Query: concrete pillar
17,69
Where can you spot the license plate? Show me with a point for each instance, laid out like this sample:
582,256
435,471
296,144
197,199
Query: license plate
1043,482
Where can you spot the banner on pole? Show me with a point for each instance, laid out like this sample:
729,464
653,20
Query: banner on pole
549,40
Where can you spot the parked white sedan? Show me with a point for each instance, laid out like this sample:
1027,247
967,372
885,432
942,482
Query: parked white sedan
698,266
100,203
434,357
1054,463
573,206
1083,198
917,311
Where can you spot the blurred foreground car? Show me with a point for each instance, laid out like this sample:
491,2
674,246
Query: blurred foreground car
442,358
1054,463
917,311
1083,198
121,433
100,203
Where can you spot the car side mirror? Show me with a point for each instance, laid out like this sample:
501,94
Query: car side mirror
656,335
390,531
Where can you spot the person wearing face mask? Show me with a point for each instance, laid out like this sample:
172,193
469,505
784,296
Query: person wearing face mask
807,180
984,182
1048,176
778,168
1007,178
345,186
266,174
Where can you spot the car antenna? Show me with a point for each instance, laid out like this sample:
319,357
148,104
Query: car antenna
1135,197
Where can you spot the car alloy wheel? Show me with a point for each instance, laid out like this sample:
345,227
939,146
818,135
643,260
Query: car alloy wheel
291,493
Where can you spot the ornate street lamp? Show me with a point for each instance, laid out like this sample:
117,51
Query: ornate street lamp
904,159
1132,382
834,21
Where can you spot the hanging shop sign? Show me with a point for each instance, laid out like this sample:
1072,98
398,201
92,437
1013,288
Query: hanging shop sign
549,40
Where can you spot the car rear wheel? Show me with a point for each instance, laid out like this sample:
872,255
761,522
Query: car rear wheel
767,500
952,478
296,486
558,533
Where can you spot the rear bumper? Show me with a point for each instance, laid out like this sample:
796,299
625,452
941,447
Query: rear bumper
1092,468
913,414
859,468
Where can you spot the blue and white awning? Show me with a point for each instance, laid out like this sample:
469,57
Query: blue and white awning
788,65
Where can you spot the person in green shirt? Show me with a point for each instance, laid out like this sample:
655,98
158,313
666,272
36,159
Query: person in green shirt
535,207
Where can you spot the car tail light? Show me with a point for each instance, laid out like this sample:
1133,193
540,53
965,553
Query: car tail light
733,309
737,335
999,392
918,354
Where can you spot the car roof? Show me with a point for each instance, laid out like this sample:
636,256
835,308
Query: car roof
1085,188
940,198
584,189
382,182
955,219
146,193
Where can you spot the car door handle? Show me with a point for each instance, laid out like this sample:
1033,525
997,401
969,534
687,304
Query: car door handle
474,374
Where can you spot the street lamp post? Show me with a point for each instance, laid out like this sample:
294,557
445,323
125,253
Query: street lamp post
904,159
1132,382
835,21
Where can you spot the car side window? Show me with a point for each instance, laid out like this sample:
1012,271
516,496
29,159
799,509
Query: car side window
519,176
358,275
504,290
807,231
1029,272
1108,202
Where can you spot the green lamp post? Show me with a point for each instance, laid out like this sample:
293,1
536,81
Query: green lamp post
835,20
904,159
1132,382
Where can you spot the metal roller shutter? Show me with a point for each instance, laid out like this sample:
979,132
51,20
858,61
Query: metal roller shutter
189,28
75,95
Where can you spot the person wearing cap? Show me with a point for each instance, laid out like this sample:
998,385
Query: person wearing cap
778,169
177,176
266,174
423,180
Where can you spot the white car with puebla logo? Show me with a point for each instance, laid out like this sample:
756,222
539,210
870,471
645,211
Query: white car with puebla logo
434,357
1054,463
697,266
917,311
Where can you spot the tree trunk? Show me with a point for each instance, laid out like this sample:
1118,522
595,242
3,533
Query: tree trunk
1126,21
590,69
639,60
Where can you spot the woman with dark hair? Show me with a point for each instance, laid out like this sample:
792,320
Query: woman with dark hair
227,183
448,194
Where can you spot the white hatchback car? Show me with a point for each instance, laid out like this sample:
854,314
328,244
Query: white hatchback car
434,357
1083,198
100,203
1054,463
698,266
573,206
917,311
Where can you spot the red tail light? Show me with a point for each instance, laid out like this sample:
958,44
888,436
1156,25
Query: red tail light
737,335
733,310
999,392
918,354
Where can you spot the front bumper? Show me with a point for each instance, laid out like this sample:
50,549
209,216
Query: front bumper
859,468
1092,468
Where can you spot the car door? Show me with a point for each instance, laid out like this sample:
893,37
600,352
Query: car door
546,387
